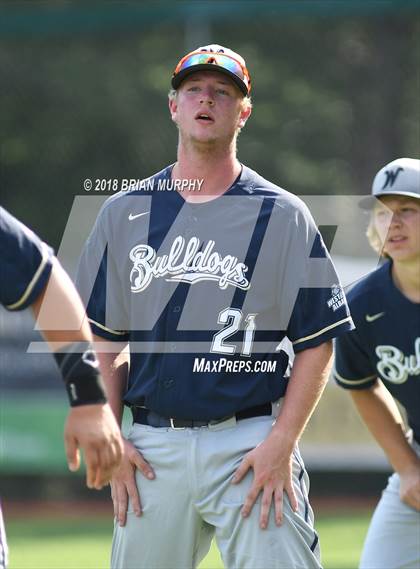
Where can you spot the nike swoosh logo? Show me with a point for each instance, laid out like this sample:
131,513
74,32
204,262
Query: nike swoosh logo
373,317
131,216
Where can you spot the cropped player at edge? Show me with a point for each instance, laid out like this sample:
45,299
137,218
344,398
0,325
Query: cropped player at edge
30,272
207,287
380,360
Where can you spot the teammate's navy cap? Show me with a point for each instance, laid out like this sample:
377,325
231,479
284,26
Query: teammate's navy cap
214,58
400,177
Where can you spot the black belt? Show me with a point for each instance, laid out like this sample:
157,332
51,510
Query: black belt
146,417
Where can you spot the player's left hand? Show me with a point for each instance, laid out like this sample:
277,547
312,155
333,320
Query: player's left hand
93,429
272,468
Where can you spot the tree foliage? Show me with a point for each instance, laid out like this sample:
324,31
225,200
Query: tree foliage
335,98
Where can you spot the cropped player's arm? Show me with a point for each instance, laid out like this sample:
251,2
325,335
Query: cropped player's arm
381,415
90,427
271,461
114,364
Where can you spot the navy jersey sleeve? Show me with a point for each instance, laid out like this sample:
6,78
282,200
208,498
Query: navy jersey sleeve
25,263
96,276
352,369
320,311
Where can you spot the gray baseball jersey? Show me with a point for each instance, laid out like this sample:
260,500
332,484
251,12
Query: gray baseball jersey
209,291
208,295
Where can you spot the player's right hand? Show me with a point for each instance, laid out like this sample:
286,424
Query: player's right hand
123,483
410,486
94,430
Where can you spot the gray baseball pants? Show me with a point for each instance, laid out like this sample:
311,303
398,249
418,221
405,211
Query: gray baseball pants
393,538
3,544
192,500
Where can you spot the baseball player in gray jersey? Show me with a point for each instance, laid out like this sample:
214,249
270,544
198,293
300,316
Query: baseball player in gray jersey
210,285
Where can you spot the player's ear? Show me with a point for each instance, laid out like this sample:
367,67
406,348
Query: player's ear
245,114
173,106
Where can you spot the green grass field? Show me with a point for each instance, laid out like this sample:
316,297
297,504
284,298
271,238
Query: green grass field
84,543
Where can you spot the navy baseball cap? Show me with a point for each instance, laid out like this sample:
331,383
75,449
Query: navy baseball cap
214,58
400,177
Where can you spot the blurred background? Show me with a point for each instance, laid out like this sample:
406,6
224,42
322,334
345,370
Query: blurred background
84,95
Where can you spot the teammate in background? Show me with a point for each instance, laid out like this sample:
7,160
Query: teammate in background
29,274
213,446
380,360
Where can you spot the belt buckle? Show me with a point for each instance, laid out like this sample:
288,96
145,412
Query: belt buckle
171,421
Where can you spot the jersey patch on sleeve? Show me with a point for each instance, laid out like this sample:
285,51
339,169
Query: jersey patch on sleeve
337,299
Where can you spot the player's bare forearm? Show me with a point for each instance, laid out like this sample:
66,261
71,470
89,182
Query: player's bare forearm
90,424
114,361
309,376
382,417
60,297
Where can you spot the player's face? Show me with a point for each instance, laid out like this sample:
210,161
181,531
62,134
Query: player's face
397,221
208,108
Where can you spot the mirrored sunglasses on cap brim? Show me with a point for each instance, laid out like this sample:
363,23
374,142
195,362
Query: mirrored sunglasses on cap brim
218,59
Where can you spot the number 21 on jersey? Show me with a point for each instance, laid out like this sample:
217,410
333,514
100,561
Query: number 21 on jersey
232,318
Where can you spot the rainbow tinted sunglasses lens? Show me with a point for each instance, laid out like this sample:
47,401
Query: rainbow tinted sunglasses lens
217,59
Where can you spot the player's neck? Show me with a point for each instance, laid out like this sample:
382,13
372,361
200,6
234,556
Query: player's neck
218,168
406,277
